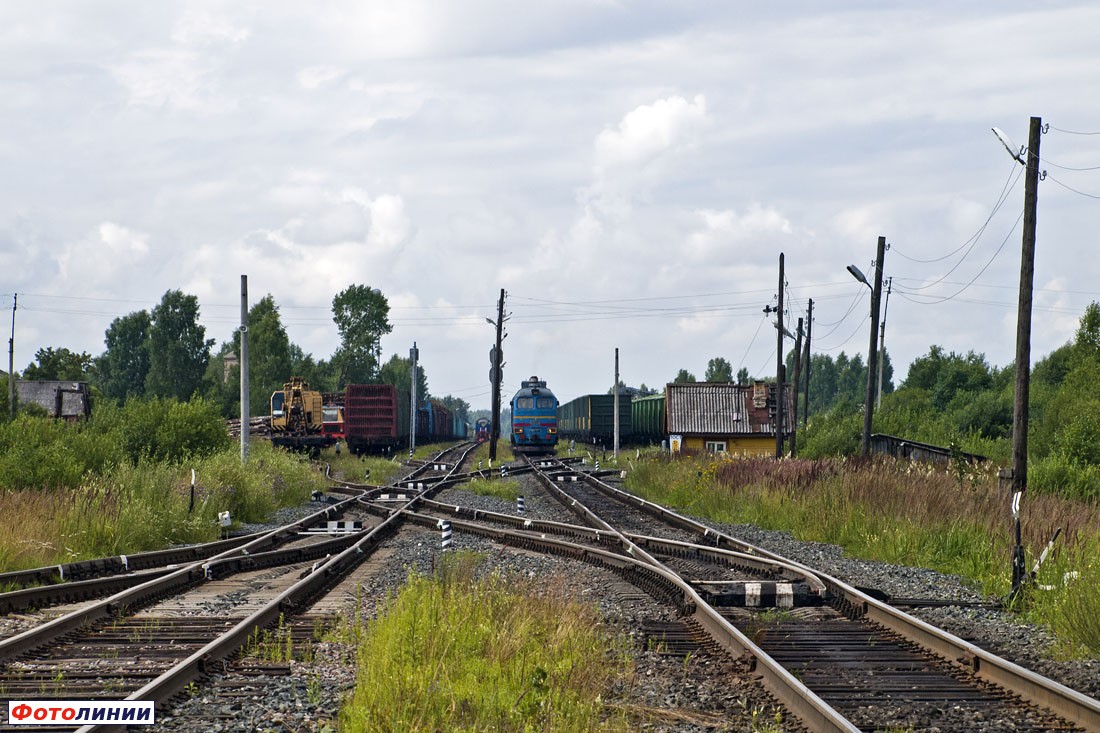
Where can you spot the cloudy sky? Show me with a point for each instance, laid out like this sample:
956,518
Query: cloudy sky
629,172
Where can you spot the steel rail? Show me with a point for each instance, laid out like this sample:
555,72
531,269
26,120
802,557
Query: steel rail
755,562
290,601
800,700
186,576
1065,702
120,564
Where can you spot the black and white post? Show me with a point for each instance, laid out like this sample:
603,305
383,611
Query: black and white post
445,534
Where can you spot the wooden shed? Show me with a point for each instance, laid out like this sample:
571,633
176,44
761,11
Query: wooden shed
724,417
66,400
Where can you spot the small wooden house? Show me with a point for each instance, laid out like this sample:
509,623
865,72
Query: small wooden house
724,417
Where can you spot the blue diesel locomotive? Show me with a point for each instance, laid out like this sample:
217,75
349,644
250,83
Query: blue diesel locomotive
534,419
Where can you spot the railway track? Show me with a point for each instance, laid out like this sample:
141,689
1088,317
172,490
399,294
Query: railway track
835,658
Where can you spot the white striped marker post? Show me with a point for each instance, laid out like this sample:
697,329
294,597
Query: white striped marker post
445,531
520,508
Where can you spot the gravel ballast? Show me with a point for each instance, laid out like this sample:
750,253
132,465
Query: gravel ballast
706,692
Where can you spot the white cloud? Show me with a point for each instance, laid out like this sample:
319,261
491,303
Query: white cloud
201,27
315,77
111,251
648,131
723,230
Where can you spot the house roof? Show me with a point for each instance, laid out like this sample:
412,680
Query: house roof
721,408
59,399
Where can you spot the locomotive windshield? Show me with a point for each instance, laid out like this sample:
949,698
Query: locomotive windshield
545,402
525,403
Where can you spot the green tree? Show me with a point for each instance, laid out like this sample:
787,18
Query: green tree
398,372
320,375
178,348
718,370
269,362
124,366
1087,339
458,406
743,376
362,318
683,377
52,364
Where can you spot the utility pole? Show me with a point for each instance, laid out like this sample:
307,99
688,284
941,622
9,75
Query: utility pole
794,383
779,367
244,368
1023,321
615,402
11,360
806,365
882,340
414,354
496,374
1023,345
872,355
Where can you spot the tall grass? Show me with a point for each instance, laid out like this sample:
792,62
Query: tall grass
949,520
455,653
145,506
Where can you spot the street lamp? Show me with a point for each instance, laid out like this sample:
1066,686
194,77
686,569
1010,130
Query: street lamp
858,275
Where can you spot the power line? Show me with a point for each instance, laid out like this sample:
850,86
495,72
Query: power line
1071,188
751,342
980,272
1010,184
1068,168
1072,132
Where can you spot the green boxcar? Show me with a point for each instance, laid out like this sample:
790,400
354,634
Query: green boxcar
591,418
648,419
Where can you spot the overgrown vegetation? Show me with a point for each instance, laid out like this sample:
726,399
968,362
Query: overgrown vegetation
457,653
960,401
952,520
121,482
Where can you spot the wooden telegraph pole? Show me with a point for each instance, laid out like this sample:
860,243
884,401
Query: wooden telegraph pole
496,358
1023,346
779,367
872,349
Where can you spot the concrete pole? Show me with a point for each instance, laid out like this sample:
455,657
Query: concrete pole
616,403
244,368
779,367
11,360
413,355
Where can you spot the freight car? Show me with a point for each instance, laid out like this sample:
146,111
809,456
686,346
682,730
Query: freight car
434,423
376,418
534,418
647,416
591,419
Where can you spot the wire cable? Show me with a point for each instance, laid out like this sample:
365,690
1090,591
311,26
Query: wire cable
1071,188
751,342
935,300
1009,185
1068,168
1073,132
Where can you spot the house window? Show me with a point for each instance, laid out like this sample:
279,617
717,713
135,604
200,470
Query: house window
716,446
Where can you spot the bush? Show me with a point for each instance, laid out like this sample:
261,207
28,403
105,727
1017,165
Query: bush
1059,475
164,429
